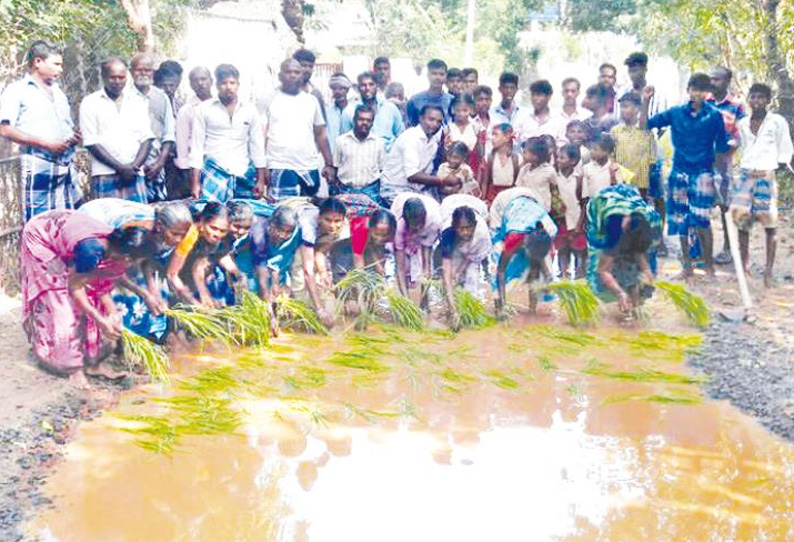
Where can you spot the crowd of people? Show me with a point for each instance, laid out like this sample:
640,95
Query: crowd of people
193,202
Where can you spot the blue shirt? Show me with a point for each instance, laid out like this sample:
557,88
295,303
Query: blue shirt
424,98
333,118
695,138
388,122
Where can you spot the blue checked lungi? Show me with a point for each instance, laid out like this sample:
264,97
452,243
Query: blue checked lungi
754,198
690,197
156,189
48,183
288,183
371,190
112,186
217,184
135,313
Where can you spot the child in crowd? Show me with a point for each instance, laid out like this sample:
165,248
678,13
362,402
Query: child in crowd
503,166
635,148
483,97
537,172
456,166
570,239
576,133
601,172
462,130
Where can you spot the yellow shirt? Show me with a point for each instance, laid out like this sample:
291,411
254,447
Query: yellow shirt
635,149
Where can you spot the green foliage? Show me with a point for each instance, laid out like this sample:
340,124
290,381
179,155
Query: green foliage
149,355
367,288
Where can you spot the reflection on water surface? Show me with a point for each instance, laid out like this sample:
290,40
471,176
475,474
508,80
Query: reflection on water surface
511,433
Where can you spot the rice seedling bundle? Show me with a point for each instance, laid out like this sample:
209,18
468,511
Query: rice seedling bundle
367,288
150,356
204,324
472,311
294,313
249,321
578,300
685,301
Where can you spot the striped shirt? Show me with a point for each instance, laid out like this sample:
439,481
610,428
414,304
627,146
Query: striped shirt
358,163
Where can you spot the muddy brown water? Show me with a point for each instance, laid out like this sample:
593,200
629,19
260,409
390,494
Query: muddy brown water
527,432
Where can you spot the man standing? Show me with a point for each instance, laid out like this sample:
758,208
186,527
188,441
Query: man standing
435,95
732,110
295,132
506,111
608,75
307,60
201,82
409,165
698,131
381,67
540,121
117,131
471,79
161,117
340,86
35,114
570,98
167,78
388,122
227,136
766,147
359,157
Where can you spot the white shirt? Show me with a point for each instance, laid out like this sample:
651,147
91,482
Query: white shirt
118,126
454,201
567,187
30,108
290,121
413,152
184,130
578,114
772,145
358,163
232,141
527,125
597,177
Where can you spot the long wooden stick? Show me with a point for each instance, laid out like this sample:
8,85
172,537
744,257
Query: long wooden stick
733,238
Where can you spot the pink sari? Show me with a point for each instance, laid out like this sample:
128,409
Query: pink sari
63,337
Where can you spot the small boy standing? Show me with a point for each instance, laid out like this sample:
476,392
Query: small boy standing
635,148
601,172
766,146
570,239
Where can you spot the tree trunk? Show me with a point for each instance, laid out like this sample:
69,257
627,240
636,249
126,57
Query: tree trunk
139,17
776,65
292,10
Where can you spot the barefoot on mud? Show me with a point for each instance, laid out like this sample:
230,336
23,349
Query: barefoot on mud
79,380
106,371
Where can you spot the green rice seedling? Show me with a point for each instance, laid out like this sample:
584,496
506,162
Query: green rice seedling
306,377
202,324
645,375
574,391
456,377
416,357
157,434
685,301
578,300
676,398
472,311
500,379
562,335
359,359
215,380
546,364
662,345
249,321
150,356
404,312
294,313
